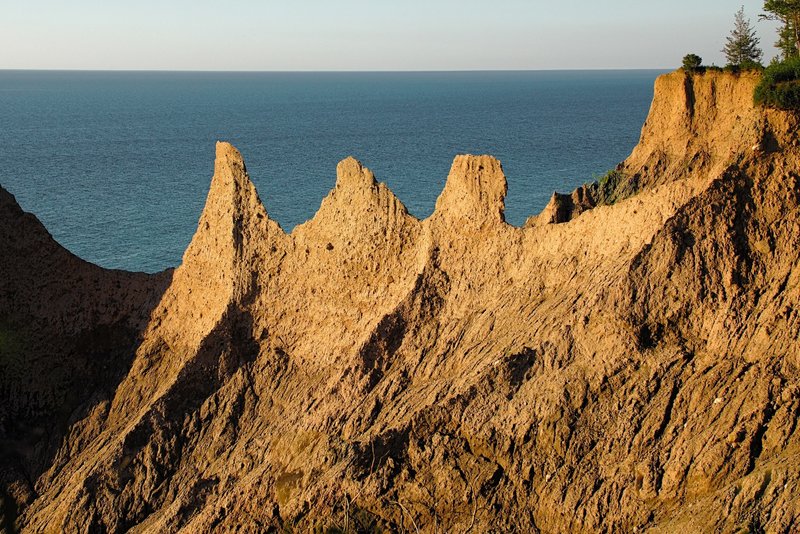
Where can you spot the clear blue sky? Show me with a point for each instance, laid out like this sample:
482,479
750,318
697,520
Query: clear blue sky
366,34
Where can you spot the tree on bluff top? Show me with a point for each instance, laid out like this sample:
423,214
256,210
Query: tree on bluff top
692,62
786,42
741,48
787,12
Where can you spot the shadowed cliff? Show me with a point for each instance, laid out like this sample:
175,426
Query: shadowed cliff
68,331
635,367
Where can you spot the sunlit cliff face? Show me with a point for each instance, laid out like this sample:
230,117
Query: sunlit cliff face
633,367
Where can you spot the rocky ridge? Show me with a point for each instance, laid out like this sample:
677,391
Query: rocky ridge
634,367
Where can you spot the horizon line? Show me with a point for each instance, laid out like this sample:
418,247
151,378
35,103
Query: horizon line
334,71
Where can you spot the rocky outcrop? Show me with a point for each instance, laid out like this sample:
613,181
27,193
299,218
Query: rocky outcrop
634,368
563,208
697,126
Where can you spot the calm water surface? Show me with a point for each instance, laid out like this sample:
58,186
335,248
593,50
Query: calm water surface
117,164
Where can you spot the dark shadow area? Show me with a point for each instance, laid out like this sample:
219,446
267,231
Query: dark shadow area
69,331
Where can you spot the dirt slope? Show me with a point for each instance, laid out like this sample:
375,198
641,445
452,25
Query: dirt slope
635,368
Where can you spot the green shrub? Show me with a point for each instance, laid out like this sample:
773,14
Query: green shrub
744,67
751,65
608,183
780,86
692,62
611,187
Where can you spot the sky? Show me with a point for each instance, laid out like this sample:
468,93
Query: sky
346,35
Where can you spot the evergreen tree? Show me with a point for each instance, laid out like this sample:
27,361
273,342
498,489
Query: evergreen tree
787,12
787,43
741,48
692,62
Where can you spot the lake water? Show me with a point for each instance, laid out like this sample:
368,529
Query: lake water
117,164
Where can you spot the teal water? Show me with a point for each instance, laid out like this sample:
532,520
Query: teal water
117,164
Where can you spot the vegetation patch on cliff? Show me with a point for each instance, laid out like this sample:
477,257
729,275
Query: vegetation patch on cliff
780,86
614,186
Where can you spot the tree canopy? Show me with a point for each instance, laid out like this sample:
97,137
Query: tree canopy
692,62
787,12
741,48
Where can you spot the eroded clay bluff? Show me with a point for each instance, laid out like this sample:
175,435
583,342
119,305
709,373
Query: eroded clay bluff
632,369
